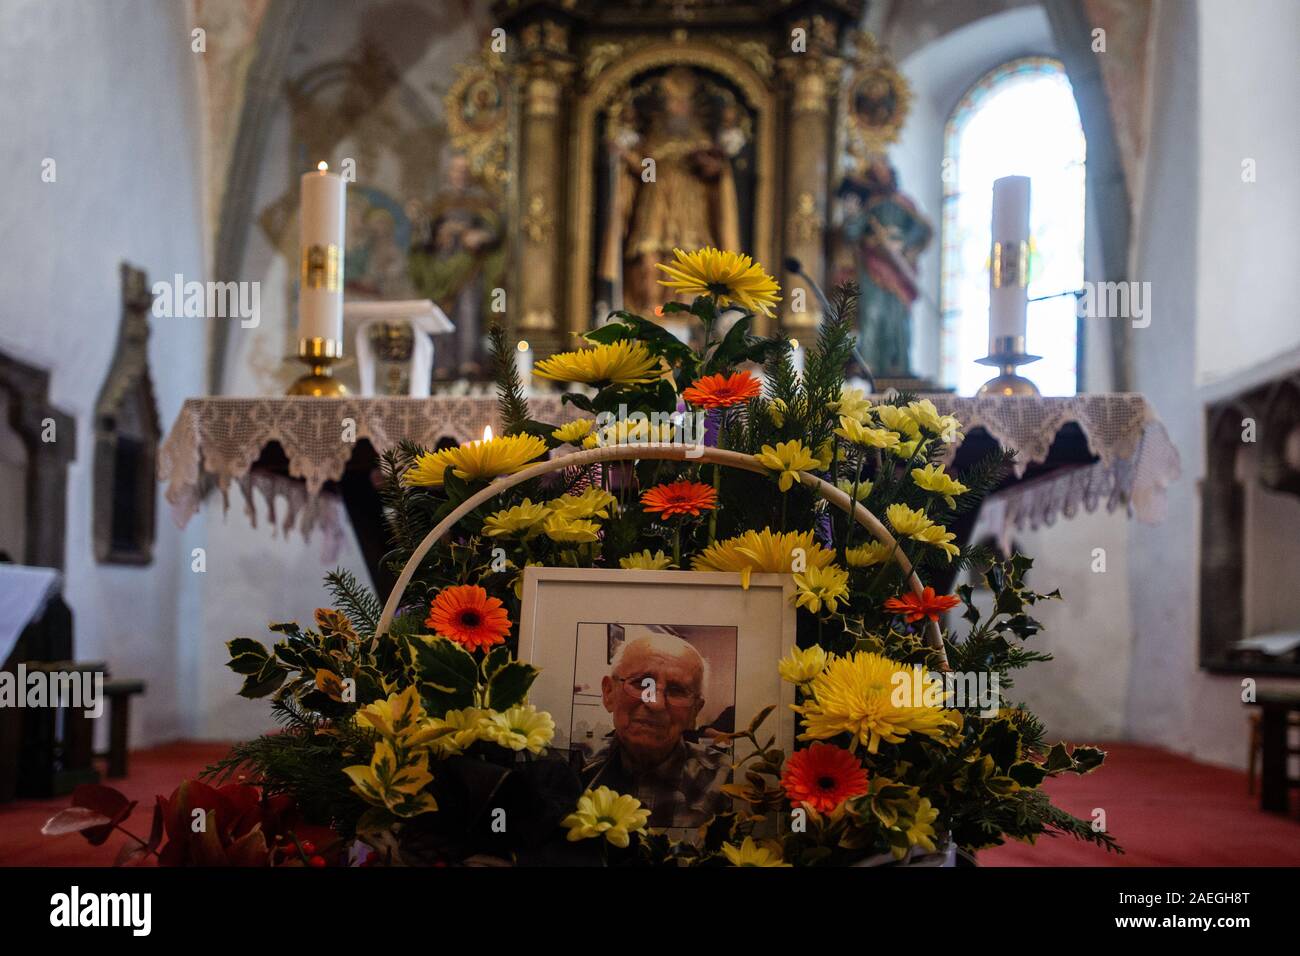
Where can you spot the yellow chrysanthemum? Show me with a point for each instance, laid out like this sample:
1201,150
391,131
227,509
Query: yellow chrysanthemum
905,450
788,458
866,555
731,277
907,521
801,666
764,551
592,503
626,362
897,419
477,460
854,431
428,470
519,728
630,432
854,695
605,813
750,853
825,455
570,530
927,416
573,432
934,479
940,537
826,586
852,403
456,730
521,520
645,561
864,487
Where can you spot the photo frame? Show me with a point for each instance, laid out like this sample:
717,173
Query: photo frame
642,669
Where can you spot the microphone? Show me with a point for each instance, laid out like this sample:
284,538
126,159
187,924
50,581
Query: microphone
795,266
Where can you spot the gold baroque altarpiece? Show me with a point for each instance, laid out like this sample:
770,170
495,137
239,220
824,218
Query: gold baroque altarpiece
769,76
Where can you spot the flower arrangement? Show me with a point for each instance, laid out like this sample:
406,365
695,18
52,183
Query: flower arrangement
419,741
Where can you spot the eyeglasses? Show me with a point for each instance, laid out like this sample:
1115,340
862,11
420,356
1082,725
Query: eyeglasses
644,687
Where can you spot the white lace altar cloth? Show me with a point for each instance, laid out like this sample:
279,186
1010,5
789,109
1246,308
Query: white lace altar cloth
216,441
1136,460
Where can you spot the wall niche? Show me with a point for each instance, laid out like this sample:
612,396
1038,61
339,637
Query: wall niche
1250,531
126,437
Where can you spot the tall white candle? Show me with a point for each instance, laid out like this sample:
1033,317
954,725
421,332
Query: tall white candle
1008,295
524,365
320,295
796,357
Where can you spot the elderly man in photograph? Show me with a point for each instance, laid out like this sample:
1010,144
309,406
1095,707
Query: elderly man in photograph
655,691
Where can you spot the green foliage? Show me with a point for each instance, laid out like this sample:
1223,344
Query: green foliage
979,783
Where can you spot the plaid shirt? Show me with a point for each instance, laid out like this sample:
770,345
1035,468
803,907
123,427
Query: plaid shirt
683,791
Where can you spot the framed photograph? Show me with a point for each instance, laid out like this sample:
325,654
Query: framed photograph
642,670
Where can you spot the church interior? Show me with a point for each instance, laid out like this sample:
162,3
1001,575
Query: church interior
520,169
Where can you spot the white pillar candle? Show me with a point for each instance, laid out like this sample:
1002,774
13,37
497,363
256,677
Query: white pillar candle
320,294
524,364
1008,295
796,357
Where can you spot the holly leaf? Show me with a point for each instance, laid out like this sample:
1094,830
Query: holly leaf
509,685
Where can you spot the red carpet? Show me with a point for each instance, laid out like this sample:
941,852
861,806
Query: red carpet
1166,811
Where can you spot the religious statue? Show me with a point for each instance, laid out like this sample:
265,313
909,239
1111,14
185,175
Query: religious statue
457,258
685,198
881,234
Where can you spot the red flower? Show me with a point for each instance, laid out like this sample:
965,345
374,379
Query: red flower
915,606
823,776
465,613
722,391
679,498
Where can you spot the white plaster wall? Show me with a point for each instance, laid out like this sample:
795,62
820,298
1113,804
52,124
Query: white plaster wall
1080,694
1172,702
108,91
1249,246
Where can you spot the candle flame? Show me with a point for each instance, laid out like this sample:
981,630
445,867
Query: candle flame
794,344
487,432
523,345
323,166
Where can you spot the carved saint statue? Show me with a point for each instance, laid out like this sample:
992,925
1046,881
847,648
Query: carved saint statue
685,198
456,259
881,235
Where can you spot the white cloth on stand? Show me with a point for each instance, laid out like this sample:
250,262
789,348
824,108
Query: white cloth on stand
24,592
425,319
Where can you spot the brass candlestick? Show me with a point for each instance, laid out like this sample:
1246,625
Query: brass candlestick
319,354
1007,352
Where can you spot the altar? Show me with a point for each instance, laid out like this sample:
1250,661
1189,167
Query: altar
304,465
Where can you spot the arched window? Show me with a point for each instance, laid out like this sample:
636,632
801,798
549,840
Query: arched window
1018,120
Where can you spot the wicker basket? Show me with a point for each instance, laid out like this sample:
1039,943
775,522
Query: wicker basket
655,452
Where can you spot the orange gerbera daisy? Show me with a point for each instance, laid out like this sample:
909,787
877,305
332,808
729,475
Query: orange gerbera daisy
679,498
466,614
722,391
915,606
823,776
